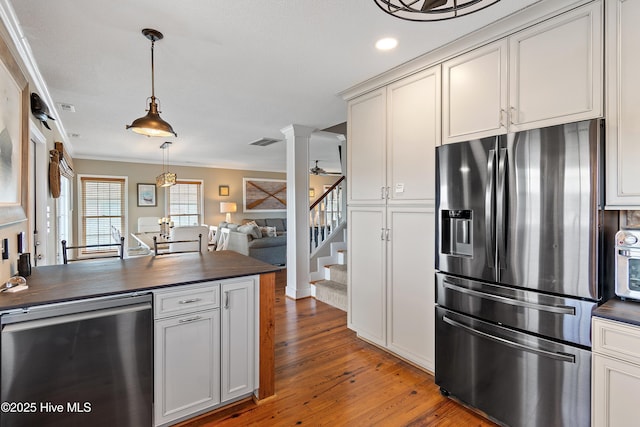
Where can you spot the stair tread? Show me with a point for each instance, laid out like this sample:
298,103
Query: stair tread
331,284
340,267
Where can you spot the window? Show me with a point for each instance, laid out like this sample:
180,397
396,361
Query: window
185,203
103,208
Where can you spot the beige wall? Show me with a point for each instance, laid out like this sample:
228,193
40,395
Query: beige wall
146,174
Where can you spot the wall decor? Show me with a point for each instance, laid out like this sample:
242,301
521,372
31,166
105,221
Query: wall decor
147,195
264,195
223,190
14,137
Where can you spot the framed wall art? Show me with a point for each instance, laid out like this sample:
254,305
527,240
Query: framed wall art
264,195
147,195
14,137
223,190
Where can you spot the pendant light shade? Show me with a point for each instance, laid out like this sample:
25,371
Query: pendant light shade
432,10
152,124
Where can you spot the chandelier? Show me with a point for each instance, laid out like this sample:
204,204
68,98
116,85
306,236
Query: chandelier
166,178
432,10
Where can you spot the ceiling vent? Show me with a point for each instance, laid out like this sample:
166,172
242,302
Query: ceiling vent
263,142
69,108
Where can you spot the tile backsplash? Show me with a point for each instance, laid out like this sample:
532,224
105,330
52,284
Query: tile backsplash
632,219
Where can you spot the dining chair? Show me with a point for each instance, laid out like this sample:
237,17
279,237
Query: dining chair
223,243
176,246
106,253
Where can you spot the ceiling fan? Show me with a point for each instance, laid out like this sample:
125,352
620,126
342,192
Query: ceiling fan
317,170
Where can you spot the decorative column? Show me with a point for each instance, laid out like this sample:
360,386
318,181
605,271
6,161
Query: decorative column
297,140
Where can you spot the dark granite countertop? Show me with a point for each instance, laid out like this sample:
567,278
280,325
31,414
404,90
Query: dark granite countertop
627,311
86,279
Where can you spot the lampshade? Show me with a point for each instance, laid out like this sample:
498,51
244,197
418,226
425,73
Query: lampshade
152,124
432,10
228,207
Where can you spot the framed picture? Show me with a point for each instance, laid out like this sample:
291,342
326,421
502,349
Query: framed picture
147,195
264,195
223,190
14,137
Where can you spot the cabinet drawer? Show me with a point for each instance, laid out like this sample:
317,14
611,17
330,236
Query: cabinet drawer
616,339
185,299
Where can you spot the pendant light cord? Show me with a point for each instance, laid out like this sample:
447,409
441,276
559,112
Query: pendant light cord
153,92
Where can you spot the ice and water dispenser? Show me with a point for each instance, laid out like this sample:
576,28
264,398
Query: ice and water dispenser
457,234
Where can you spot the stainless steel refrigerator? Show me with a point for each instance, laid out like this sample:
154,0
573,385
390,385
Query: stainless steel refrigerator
520,266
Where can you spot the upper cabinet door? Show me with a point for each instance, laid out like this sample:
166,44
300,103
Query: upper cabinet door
366,135
556,70
623,86
474,93
413,118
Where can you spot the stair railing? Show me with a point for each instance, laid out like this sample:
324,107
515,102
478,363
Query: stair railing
326,213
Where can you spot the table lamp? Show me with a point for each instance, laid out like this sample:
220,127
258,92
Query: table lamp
228,207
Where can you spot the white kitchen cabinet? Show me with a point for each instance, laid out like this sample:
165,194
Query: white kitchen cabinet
474,93
616,373
239,345
187,354
555,70
367,270
366,133
391,279
550,74
623,85
410,284
392,134
413,133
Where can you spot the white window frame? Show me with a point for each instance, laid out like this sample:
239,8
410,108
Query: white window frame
167,198
79,186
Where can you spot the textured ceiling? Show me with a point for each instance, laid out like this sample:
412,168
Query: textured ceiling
227,72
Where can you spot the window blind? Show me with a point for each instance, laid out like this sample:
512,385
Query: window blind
102,209
185,207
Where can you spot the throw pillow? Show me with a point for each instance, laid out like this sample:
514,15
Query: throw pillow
251,230
268,231
250,222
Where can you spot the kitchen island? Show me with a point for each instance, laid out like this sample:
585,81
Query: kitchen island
168,278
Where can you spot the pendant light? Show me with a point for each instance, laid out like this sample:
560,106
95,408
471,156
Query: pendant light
432,10
152,124
166,178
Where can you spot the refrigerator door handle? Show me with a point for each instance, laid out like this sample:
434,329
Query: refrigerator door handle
502,206
489,207
563,357
558,309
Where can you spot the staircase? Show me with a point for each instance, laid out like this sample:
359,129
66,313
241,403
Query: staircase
332,288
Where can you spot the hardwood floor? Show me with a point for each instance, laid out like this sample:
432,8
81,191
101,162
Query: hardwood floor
327,376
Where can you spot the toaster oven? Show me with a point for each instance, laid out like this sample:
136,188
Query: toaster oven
628,264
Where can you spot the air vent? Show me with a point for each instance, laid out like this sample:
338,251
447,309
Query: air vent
69,108
263,142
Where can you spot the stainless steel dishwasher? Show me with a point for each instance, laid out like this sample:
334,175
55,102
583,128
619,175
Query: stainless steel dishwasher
83,363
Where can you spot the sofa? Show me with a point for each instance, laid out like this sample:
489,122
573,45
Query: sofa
264,239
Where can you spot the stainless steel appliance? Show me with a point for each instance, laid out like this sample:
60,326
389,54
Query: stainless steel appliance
628,264
86,363
520,239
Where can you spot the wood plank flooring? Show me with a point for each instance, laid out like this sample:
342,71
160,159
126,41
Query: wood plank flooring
326,376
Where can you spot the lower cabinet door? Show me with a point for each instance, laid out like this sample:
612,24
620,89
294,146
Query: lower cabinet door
238,339
615,392
187,365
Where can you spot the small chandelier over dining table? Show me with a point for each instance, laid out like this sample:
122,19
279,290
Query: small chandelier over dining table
432,10
166,178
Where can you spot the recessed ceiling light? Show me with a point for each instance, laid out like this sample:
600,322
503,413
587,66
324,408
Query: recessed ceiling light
387,43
